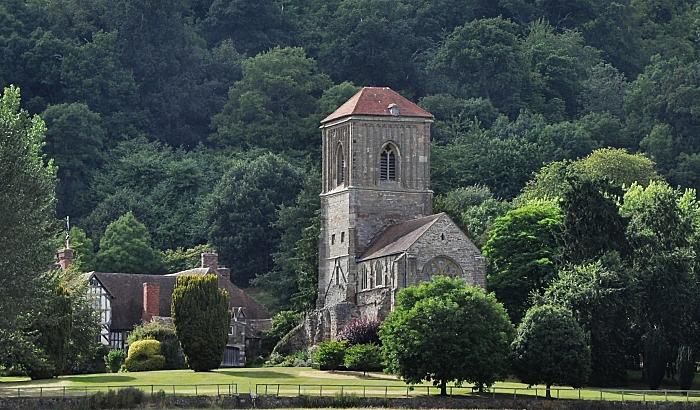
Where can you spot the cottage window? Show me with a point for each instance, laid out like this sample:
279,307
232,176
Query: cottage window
387,165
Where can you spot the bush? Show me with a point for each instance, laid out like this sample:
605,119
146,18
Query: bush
169,344
364,357
144,356
202,319
361,331
127,398
331,354
114,360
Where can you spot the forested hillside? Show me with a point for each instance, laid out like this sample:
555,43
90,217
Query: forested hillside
200,116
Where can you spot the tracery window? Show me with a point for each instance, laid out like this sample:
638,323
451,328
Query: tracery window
387,164
442,266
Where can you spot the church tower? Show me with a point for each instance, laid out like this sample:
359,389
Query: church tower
376,173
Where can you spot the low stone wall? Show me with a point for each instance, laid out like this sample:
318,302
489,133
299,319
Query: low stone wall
270,402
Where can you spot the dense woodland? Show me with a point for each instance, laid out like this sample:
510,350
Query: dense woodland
199,118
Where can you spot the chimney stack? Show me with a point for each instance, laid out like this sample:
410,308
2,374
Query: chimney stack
210,260
65,258
151,301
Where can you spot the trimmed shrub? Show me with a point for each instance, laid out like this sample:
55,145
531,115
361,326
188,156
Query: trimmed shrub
361,331
169,344
127,398
331,354
114,360
364,357
201,316
144,356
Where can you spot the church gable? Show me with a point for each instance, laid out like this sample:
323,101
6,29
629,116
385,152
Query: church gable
443,249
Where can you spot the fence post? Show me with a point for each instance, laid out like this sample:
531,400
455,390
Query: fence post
364,391
665,395
299,392
385,391
515,395
623,395
320,394
151,391
64,392
644,397
579,394
173,390
218,393
18,393
601,395
41,392
278,390
265,389
428,387
196,392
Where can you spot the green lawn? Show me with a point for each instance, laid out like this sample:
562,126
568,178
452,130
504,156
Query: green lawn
286,381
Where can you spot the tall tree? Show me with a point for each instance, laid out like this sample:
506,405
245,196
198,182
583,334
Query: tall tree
27,225
126,247
550,348
522,251
202,319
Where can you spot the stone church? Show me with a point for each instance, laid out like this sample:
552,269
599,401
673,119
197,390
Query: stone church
378,232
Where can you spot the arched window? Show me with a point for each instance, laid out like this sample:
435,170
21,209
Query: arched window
340,166
387,165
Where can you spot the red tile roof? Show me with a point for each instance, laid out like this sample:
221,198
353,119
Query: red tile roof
376,101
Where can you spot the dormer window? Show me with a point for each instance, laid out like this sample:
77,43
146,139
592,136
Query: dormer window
394,110
387,166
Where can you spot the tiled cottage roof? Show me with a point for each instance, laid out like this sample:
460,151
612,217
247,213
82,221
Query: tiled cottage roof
126,291
398,238
376,101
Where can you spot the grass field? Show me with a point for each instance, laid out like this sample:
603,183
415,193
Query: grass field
287,381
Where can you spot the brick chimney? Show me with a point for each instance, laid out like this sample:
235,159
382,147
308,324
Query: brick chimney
65,258
151,301
210,260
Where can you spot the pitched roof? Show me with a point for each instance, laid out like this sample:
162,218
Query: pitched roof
126,290
376,101
398,238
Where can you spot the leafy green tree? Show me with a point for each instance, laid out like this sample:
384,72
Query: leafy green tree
438,321
179,259
296,256
247,239
165,188
592,223
616,165
75,140
126,247
484,58
687,171
600,296
660,231
363,357
454,116
473,208
253,27
659,145
656,357
83,251
523,251
273,105
27,225
201,316
550,348
603,90
560,63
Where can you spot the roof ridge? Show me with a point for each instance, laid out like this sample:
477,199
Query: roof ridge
376,101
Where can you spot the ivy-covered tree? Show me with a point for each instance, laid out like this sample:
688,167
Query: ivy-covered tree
550,348
201,316
126,247
522,251
436,322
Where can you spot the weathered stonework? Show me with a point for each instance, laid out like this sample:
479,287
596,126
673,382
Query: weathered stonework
378,234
